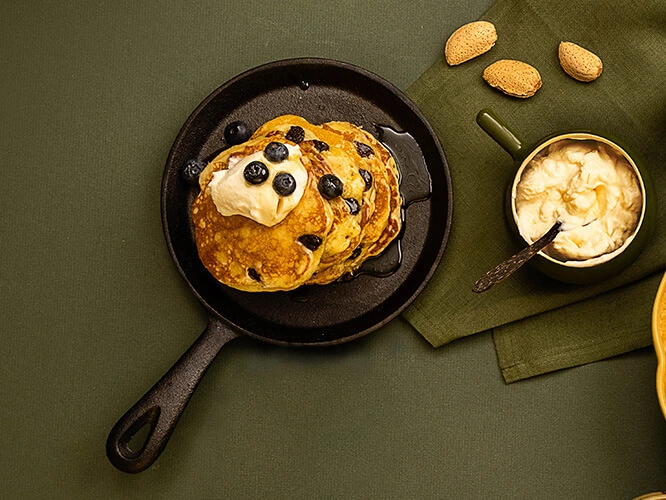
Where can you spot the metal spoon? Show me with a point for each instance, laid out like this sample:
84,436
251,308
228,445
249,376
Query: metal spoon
511,265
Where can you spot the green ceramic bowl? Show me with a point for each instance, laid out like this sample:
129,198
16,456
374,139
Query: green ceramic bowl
580,271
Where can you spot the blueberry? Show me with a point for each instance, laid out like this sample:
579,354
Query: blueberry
252,273
330,186
236,133
363,149
320,146
296,134
367,178
276,152
353,205
284,184
255,172
310,241
357,251
193,169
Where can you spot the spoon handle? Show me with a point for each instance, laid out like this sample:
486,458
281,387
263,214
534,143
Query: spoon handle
509,266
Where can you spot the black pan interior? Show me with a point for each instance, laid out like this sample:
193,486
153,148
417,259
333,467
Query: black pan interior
320,90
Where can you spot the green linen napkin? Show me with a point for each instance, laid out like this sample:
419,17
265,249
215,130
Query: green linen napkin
533,330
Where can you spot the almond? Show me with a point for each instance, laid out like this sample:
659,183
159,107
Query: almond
469,41
579,63
515,78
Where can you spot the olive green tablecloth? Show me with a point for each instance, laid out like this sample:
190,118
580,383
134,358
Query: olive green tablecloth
628,101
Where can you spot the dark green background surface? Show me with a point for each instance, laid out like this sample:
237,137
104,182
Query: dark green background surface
93,311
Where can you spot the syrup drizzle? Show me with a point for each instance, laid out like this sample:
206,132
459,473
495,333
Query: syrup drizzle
415,185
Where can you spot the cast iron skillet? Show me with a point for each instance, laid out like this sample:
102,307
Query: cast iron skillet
319,90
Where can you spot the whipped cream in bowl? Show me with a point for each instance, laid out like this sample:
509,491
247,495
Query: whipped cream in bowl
590,182
592,186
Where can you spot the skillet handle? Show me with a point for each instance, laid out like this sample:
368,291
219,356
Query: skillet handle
161,407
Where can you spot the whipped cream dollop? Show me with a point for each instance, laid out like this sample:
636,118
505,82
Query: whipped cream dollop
590,187
233,195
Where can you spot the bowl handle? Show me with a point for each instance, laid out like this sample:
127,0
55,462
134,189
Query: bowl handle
495,127
161,407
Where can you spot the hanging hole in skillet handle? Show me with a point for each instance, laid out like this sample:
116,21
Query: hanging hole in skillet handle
135,439
141,434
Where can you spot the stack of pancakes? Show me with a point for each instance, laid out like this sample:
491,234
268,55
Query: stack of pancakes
321,239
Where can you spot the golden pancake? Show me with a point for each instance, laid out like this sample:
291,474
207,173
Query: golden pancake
249,256
254,236
352,208
385,222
